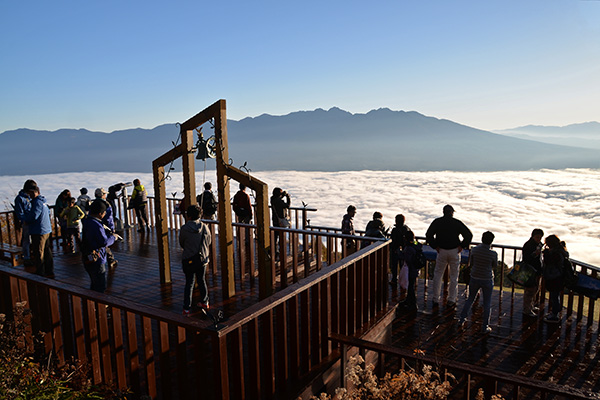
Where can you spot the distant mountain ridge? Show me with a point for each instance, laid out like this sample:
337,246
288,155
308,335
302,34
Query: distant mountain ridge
586,134
325,140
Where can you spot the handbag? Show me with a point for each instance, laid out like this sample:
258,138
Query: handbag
523,274
285,222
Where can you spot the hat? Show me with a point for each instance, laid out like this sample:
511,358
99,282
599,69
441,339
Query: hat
100,192
448,209
97,207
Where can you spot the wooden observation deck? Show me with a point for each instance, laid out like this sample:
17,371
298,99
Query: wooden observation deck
326,305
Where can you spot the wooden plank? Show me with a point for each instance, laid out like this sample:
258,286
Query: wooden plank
55,321
93,342
105,349
324,288
66,323
283,272
165,359
294,338
315,331
183,381
254,375
149,356
119,349
236,349
268,354
78,328
282,347
134,358
295,246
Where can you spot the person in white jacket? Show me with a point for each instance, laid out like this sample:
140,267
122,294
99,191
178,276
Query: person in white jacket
195,239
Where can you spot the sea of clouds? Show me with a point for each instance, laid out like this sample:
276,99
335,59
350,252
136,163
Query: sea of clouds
510,204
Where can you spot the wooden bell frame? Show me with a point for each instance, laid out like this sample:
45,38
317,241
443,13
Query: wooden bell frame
185,150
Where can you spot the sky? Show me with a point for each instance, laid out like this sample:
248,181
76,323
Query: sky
114,65
561,202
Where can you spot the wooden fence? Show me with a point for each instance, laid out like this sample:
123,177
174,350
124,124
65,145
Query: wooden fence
262,352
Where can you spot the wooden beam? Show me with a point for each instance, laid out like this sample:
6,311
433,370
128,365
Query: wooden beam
189,169
161,223
204,116
225,217
263,237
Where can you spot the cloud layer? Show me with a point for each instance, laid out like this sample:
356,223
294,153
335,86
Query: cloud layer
510,204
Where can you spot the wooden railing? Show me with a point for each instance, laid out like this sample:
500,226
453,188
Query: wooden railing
508,256
469,378
259,353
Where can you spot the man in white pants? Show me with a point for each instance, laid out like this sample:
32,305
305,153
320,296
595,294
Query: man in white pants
444,236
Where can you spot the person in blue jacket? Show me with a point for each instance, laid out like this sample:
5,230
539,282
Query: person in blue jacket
95,239
40,229
22,205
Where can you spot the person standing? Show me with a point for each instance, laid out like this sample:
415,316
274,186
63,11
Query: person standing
280,203
139,199
444,236
40,229
399,240
207,202
553,261
22,205
94,242
73,215
242,207
84,201
348,229
109,221
483,261
62,201
532,250
195,240
409,257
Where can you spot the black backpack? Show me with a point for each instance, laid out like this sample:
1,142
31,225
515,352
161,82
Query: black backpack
420,259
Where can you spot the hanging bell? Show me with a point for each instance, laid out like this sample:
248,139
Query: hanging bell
206,148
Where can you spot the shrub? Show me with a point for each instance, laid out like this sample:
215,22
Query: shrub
27,373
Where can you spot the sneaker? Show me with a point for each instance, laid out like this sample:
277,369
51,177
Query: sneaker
552,319
530,314
186,313
487,329
535,309
204,306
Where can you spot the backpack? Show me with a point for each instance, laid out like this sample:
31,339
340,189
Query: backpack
420,259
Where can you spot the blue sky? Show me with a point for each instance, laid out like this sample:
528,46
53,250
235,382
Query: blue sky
123,64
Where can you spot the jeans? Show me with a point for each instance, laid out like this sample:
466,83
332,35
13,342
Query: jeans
97,273
555,305
196,270
487,287
452,259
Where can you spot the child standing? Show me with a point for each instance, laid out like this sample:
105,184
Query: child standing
73,215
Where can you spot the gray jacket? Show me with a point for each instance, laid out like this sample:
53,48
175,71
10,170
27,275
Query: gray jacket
195,238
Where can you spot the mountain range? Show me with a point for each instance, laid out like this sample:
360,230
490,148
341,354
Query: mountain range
323,140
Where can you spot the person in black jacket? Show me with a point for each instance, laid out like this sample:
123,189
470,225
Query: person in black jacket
532,249
399,240
444,236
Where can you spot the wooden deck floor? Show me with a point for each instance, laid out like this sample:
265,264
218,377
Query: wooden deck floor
567,353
